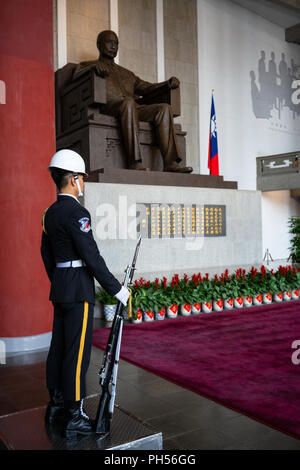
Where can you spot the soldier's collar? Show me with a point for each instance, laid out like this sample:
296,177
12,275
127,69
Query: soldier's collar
70,195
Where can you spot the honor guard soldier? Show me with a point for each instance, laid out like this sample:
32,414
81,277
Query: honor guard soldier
72,261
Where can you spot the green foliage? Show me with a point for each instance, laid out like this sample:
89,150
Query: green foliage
157,294
294,231
105,298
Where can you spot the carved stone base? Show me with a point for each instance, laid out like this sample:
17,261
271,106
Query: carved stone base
100,144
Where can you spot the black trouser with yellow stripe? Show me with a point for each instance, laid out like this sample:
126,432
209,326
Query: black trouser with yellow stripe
70,349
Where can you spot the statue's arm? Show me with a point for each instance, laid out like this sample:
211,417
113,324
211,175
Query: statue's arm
82,68
144,88
94,64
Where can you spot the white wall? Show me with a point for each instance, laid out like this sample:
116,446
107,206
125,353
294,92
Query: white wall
230,41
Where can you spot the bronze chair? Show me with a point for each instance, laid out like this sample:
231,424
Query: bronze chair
81,126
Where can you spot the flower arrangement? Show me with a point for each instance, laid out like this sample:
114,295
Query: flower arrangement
200,293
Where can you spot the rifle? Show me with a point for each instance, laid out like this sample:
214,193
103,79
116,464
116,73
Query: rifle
109,369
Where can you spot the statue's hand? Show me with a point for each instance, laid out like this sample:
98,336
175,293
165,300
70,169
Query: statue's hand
173,82
101,70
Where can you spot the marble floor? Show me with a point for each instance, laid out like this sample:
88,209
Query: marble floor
187,420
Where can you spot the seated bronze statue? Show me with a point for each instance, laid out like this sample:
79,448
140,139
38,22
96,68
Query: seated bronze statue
123,89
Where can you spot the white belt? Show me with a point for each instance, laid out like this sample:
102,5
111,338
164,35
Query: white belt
77,263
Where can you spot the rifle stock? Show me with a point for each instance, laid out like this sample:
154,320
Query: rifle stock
104,414
109,369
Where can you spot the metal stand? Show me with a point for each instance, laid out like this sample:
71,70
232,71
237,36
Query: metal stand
268,256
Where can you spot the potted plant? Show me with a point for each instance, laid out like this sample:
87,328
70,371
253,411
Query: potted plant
185,296
205,294
294,282
228,291
195,299
217,294
157,298
266,283
235,281
253,279
172,292
138,300
109,303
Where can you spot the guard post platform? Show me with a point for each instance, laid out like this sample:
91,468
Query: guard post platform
26,430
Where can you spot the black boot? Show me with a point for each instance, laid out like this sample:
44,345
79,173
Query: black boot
55,408
78,423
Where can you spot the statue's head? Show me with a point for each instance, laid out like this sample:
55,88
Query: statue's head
108,43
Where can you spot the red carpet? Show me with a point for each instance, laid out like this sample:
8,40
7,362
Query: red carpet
241,359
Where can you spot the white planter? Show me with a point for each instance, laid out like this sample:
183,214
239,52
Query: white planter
139,316
196,308
218,305
161,314
149,316
109,312
278,297
247,301
228,304
257,299
238,302
186,310
172,311
287,295
267,298
295,294
207,307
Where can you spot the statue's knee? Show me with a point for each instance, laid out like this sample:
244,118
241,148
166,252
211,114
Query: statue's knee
127,103
164,112
165,109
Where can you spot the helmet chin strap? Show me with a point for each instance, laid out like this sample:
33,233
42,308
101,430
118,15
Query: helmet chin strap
80,193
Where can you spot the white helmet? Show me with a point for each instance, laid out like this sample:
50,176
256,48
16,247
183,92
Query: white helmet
68,160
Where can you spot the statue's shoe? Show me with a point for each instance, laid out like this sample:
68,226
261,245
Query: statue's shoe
137,166
179,169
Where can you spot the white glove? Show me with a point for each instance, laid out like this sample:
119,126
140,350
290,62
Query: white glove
123,295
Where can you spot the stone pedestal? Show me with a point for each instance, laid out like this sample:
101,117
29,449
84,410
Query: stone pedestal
115,224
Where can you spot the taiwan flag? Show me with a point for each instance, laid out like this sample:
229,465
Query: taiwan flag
213,157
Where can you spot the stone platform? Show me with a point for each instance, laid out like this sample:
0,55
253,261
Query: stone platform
160,178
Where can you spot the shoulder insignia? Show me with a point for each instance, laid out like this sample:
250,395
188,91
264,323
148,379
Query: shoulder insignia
85,225
43,220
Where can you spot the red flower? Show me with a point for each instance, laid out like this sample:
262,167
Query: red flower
165,282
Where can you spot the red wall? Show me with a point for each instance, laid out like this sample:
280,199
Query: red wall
26,145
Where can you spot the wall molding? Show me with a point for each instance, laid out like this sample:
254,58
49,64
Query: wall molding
160,45
114,19
26,343
61,33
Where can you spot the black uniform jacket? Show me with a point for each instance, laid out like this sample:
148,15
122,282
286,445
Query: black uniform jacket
69,237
